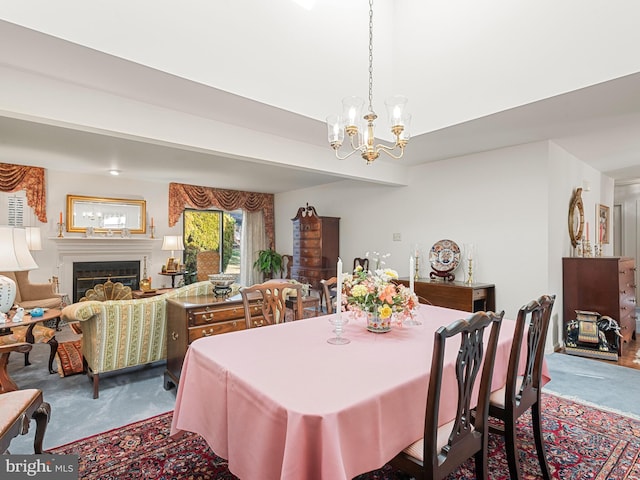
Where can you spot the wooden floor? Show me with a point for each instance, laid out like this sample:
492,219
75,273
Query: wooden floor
629,355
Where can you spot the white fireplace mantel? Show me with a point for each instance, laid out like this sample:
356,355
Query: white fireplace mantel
80,245
96,249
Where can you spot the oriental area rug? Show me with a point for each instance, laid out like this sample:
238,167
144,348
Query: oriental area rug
582,442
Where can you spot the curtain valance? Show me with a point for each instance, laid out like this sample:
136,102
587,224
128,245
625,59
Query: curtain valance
30,179
182,196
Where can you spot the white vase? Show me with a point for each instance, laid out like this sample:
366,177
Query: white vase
376,324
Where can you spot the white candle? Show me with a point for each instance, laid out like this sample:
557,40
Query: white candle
339,288
411,274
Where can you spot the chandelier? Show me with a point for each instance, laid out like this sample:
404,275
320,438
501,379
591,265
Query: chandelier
361,134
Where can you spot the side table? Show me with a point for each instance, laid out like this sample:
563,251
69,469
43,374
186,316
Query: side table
173,276
22,331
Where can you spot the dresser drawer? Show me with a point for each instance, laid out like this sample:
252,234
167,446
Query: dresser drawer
216,328
310,261
203,316
313,243
307,227
479,294
310,234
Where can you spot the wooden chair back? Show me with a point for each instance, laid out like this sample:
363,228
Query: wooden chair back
523,387
443,449
329,293
287,262
108,291
272,297
207,263
363,262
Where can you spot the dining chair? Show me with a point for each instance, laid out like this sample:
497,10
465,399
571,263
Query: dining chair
329,293
523,387
19,407
272,295
363,262
287,262
207,263
443,448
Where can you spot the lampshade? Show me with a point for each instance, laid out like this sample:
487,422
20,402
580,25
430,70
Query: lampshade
172,242
34,241
14,256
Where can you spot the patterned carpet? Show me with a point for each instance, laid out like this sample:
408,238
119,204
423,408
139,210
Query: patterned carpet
582,443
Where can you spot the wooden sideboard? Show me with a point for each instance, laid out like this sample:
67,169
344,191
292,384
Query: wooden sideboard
316,243
605,285
191,318
472,297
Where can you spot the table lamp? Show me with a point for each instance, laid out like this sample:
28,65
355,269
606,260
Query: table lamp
14,256
34,240
172,243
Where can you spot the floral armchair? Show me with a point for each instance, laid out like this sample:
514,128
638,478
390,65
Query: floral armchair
118,334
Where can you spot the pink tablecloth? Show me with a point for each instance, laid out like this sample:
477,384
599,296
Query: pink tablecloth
279,402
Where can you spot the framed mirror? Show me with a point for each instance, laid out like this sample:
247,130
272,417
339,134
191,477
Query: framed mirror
576,217
105,214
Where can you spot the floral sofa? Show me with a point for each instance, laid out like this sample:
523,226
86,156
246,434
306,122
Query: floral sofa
118,334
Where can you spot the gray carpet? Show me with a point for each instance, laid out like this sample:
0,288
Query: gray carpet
124,397
138,394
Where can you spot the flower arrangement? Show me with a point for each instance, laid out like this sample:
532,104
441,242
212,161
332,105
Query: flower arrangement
374,292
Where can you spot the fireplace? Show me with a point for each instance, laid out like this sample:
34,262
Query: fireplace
101,250
88,274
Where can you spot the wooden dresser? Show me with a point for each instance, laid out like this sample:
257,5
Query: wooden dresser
191,318
316,247
473,297
601,284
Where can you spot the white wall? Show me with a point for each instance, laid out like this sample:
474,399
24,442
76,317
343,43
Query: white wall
511,203
485,199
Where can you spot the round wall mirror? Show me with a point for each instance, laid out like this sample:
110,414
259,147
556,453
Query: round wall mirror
576,217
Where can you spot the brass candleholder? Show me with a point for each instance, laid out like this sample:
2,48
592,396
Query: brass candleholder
60,225
152,230
469,271
416,273
586,249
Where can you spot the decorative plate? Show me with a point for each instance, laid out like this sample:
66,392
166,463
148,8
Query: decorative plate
444,256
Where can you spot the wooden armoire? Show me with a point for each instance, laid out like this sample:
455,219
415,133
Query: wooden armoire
316,246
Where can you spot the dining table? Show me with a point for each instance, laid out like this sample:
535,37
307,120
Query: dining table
280,402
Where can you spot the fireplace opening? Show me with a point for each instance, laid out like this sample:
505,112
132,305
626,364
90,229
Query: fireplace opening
88,274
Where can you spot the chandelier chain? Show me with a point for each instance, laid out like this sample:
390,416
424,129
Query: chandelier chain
370,56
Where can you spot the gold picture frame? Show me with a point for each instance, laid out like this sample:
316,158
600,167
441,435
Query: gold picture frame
172,265
602,214
105,214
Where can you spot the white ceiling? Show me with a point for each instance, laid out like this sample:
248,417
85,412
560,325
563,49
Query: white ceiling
79,108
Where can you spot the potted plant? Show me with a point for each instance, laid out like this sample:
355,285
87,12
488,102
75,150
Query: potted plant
269,262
